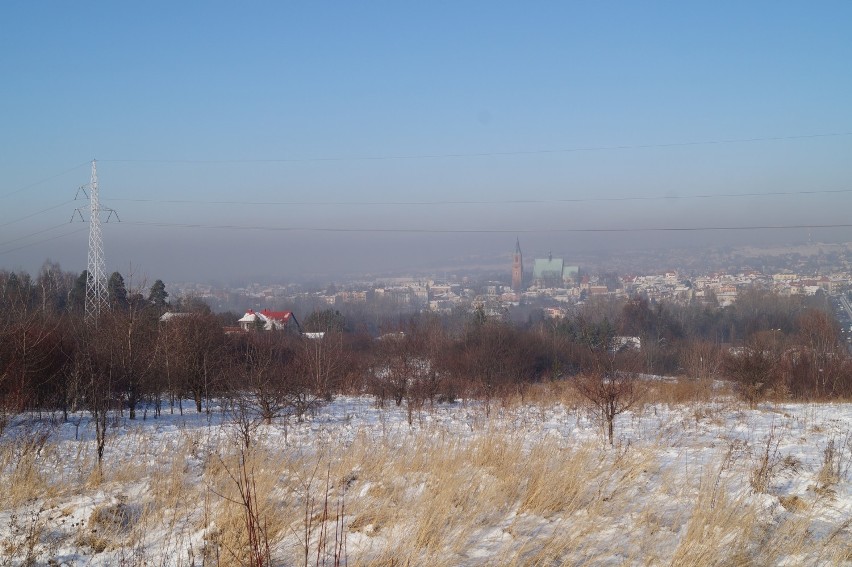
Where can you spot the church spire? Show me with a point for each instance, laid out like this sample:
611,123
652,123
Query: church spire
517,268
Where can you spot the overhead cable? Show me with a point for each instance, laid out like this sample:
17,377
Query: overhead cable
488,154
45,180
480,230
483,201
42,241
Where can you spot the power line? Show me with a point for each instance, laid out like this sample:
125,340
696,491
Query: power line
483,230
449,202
41,241
485,202
448,155
45,180
488,154
33,234
36,213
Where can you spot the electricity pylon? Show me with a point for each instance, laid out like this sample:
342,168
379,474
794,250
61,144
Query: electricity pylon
96,280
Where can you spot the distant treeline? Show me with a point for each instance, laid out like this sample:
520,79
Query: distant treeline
54,359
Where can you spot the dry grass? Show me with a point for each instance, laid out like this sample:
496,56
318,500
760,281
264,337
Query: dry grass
544,394
682,390
719,530
22,454
431,495
670,392
110,526
836,463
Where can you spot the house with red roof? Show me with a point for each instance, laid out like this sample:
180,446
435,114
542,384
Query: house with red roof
267,320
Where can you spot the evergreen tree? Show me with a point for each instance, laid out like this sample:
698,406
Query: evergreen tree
158,296
12,287
325,321
12,282
77,297
137,301
191,304
117,292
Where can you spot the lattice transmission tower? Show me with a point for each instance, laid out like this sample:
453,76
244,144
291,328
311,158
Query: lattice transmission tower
96,280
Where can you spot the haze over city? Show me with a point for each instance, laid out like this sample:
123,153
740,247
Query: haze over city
284,139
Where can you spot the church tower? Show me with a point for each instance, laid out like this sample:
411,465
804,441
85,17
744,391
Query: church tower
517,268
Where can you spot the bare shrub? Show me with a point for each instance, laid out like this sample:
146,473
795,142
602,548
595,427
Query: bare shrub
263,374
115,516
817,365
256,527
110,526
26,530
394,370
244,419
754,368
610,393
770,463
836,463
701,360
317,539
247,519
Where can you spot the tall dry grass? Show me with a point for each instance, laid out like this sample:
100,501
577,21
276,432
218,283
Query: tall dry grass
503,490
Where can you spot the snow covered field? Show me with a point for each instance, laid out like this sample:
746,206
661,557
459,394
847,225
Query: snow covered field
699,483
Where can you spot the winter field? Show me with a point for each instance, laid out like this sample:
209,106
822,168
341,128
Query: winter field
694,477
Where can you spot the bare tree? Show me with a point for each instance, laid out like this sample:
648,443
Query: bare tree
755,366
815,364
394,367
130,335
430,342
319,364
701,359
610,380
264,371
92,363
193,347
53,286
485,358
322,359
32,358
611,394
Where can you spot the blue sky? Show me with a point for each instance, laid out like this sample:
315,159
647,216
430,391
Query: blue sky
328,102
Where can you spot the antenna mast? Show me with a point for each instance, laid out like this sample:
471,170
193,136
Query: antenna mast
96,280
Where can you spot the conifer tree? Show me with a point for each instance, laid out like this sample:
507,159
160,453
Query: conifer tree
117,291
77,297
158,296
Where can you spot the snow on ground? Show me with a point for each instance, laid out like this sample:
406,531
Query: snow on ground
697,483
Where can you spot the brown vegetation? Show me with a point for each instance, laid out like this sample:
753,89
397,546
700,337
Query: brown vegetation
51,359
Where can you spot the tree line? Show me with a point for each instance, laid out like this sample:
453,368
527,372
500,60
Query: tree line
128,360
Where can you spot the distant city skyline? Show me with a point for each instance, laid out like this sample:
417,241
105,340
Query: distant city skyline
291,139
